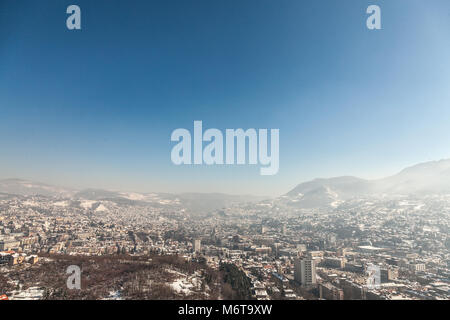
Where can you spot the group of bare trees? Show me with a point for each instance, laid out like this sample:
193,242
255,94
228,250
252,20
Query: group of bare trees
130,277
134,277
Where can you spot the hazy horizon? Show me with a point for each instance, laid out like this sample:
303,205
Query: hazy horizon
109,188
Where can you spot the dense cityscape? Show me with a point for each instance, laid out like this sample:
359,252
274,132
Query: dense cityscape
276,248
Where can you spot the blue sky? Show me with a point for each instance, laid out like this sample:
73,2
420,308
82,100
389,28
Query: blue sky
96,107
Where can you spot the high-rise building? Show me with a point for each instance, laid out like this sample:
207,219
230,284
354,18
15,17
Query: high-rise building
197,245
305,271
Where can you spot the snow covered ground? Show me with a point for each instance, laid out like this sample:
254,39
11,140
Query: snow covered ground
114,295
32,293
182,286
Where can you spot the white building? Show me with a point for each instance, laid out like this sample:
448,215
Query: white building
197,245
305,271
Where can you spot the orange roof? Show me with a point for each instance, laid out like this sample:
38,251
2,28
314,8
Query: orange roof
4,297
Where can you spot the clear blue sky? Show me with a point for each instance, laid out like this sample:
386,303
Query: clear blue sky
96,107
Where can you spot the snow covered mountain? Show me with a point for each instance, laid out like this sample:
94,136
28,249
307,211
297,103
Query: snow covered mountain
99,198
29,188
423,179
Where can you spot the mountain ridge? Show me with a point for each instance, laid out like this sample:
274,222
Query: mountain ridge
425,178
